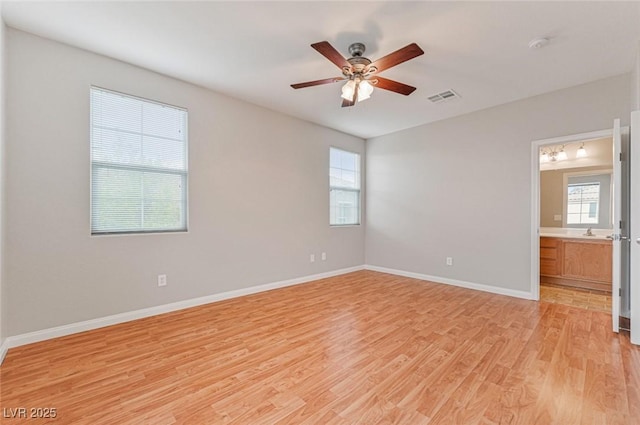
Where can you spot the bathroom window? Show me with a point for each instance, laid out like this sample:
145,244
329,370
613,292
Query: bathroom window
587,200
582,203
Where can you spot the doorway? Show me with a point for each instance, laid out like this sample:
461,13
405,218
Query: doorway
574,236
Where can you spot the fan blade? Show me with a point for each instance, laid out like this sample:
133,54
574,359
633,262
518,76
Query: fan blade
316,82
394,86
346,102
392,59
329,52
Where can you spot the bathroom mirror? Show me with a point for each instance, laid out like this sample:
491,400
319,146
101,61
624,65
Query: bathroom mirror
576,198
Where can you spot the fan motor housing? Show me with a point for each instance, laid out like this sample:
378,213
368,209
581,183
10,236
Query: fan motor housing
358,62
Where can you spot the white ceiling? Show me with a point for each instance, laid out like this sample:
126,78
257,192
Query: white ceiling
255,50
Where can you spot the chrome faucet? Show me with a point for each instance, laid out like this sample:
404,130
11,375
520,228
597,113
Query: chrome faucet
589,232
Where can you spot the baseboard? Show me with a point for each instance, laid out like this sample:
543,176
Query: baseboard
87,325
4,347
577,283
463,284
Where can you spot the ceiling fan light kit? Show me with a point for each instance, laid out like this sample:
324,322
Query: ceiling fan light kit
360,73
362,90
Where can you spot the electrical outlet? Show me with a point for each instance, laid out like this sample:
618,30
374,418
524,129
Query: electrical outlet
162,280
324,256
312,258
449,261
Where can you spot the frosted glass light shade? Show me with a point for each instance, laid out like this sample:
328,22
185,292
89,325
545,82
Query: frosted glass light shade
348,89
581,153
364,90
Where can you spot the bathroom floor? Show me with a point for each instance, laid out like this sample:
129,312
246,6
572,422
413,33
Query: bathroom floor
584,298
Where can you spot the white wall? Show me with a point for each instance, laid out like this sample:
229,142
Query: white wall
258,195
462,187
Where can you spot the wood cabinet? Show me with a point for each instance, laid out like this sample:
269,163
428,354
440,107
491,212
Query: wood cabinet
550,257
584,263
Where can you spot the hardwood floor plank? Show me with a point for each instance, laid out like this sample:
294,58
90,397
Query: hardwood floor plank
361,348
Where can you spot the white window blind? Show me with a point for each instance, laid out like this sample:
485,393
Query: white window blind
344,187
138,165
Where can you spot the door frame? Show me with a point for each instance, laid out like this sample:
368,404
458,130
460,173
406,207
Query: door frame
534,288
634,234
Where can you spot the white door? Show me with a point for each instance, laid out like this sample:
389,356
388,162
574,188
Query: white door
634,227
617,217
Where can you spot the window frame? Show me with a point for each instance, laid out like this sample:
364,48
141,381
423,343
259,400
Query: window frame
347,189
141,168
605,209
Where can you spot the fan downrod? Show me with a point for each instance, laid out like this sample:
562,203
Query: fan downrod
356,49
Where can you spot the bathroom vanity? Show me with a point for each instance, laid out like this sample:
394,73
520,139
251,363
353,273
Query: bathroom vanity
576,260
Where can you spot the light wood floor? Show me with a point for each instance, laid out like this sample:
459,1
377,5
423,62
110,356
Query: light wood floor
577,297
363,348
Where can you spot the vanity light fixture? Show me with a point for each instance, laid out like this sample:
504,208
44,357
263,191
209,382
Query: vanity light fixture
553,154
545,155
557,153
582,152
562,155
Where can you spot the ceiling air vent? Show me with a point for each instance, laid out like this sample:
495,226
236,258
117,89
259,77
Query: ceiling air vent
445,95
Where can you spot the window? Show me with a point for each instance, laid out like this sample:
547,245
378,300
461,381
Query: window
582,203
344,187
138,165
587,199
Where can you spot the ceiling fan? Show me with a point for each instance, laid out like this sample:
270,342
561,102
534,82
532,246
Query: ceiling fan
360,73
